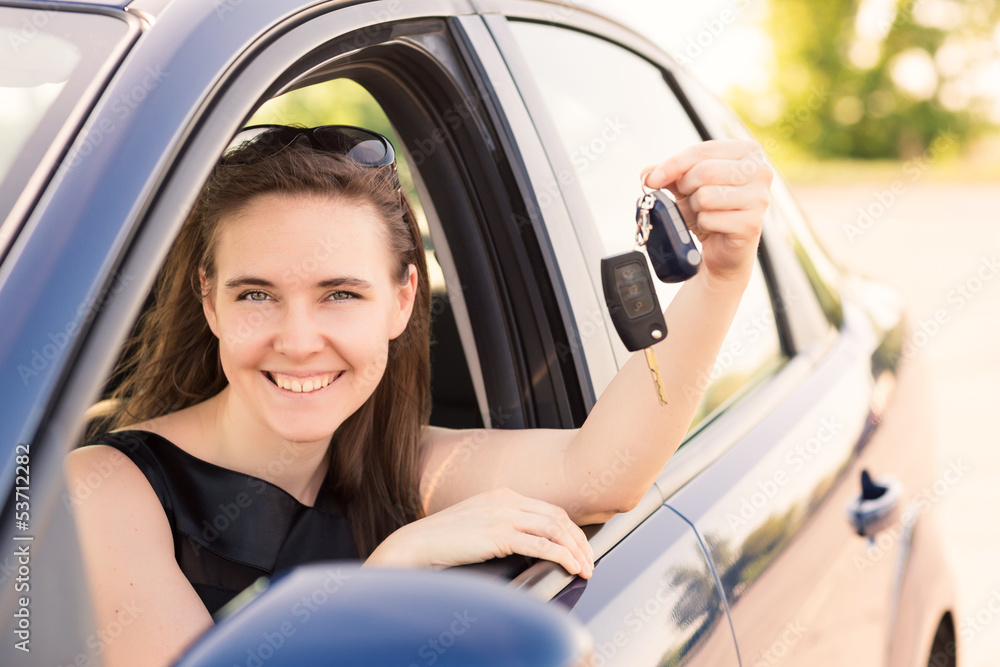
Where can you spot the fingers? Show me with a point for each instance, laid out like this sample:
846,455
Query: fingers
536,546
567,544
727,198
722,172
559,514
748,153
743,223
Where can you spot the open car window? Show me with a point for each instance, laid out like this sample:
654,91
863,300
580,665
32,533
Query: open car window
458,400
343,101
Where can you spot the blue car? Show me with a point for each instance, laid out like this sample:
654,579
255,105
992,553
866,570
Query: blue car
794,526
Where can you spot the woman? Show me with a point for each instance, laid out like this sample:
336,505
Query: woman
275,411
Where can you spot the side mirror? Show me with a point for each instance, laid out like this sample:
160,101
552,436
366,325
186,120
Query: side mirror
342,614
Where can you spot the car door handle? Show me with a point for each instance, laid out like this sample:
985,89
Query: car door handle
876,506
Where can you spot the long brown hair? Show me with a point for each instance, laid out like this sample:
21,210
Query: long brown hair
173,361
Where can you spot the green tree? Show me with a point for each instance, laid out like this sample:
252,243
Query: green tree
883,86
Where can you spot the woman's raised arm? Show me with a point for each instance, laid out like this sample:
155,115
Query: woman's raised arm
722,188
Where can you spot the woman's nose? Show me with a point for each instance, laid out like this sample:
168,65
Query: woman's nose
299,334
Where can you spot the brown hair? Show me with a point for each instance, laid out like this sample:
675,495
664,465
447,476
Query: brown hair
173,361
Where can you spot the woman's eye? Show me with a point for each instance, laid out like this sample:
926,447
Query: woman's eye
253,295
342,296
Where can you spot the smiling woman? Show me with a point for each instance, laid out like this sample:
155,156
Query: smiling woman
275,411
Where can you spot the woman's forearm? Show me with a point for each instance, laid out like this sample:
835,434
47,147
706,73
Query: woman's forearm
628,432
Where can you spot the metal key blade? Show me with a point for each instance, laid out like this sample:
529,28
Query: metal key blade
654,369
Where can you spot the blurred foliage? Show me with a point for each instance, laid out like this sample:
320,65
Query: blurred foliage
338,102
874,78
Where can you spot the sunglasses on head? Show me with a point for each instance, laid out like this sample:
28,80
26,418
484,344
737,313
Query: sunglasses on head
363,146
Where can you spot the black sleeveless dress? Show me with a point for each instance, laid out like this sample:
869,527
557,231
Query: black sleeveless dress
231,528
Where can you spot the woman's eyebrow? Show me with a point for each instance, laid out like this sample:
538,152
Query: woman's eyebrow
247,281
345,281
340,281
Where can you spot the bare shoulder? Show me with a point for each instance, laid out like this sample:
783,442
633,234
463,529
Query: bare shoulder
185,428
128,551
104,473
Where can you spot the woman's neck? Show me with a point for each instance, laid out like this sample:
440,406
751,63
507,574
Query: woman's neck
247,445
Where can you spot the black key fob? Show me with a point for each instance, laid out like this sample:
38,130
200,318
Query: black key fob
632,303
670,245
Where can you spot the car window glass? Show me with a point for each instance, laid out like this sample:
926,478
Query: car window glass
751,350
783,213
46,67
615,113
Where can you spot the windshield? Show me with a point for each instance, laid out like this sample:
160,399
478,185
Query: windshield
50,60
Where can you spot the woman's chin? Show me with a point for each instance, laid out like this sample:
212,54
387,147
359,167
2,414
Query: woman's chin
306,434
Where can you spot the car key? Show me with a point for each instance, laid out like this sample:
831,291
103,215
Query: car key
634,308
668,241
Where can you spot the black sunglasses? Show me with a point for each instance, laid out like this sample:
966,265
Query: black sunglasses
363,146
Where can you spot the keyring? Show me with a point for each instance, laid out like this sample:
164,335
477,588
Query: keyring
642,181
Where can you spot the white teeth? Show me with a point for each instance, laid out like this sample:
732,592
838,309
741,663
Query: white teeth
302,386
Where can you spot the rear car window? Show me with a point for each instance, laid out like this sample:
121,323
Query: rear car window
50,59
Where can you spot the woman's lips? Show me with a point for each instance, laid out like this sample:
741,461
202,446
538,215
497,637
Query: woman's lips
302,384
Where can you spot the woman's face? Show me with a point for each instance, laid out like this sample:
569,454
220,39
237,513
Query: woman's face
304,304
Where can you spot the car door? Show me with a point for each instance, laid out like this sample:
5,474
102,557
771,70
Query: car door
772,460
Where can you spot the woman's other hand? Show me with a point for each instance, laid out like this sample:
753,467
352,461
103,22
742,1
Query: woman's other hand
489,525
722,188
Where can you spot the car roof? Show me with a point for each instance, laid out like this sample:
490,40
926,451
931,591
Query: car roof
120,4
